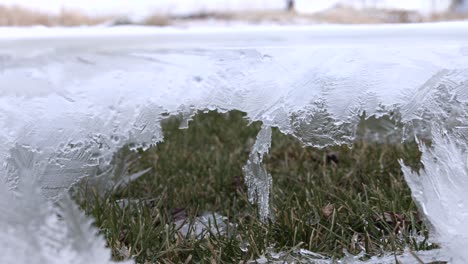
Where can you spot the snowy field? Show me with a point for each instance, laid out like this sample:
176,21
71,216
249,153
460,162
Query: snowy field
71,98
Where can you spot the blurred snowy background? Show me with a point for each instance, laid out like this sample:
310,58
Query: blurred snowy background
170,12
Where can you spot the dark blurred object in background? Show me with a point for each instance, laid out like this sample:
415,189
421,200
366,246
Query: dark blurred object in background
459,6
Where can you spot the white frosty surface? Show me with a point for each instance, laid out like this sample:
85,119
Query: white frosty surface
70,98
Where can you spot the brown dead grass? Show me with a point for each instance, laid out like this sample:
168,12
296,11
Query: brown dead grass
251,17
336,15
346,15
447,16
19,16
157,20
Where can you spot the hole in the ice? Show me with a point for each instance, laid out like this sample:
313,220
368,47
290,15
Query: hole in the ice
324,200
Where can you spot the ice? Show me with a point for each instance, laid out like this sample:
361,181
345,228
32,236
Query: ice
306,256
258,180
71,98
34,230
440,191
207,224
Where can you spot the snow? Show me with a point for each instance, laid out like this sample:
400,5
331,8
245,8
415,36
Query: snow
70,98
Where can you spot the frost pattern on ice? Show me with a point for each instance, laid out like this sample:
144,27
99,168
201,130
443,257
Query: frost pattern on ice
34,230
257,178
69,99
440,195
441,191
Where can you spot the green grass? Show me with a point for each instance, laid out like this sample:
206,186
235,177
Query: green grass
317,205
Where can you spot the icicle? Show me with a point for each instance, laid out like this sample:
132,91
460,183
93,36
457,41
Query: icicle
257,178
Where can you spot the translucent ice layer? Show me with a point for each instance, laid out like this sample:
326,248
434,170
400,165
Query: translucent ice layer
70,98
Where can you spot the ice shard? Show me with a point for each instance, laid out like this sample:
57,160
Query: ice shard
257,178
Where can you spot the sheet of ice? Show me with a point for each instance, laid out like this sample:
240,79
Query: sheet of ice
70,98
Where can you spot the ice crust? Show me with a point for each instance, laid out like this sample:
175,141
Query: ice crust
70,98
